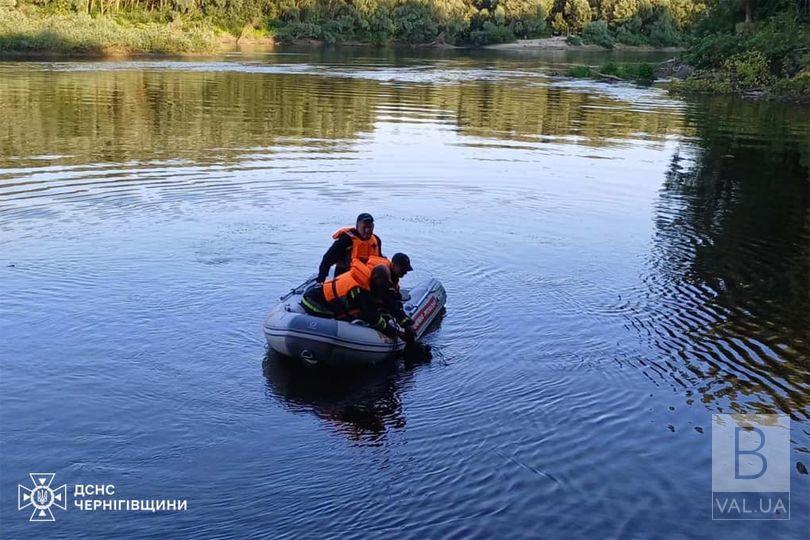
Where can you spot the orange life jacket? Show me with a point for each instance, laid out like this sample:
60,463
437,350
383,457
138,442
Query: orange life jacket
376,260
359,275
361,249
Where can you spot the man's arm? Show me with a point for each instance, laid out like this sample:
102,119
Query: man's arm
392,301
368,310
332,256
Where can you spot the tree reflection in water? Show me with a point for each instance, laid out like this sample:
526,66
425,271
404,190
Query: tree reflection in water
728,279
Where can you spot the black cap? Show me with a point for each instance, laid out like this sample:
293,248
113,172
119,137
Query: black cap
365,217
403,261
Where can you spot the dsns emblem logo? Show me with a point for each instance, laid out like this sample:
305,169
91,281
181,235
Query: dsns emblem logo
41,497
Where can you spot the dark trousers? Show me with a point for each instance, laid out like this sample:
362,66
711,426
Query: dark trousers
314,302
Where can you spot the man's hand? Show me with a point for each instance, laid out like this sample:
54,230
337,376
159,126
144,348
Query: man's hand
409,334
391,329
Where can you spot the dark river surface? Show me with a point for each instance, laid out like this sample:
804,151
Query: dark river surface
620,264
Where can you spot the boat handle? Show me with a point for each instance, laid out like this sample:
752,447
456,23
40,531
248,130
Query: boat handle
300,289
427,293
308,357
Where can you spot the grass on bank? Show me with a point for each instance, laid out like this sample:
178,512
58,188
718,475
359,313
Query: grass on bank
32,29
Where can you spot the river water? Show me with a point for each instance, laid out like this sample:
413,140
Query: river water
620,264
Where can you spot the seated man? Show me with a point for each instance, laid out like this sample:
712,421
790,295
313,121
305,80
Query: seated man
358,242
353,295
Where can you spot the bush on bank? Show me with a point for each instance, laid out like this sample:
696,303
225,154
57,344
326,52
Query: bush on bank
767,51
415,22
31,29
657,23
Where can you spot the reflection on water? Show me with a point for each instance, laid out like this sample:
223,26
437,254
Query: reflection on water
729,280
361,405
619,265
119,112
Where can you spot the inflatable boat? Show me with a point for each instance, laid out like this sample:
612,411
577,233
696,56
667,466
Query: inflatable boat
293,332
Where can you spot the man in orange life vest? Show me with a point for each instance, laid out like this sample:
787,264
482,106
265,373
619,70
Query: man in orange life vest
391,299
358,242
355,294
399,264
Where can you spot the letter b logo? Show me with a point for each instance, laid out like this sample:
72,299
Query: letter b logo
750,453
754,453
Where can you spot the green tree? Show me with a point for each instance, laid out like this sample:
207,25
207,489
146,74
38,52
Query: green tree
577,14
416,22
526,18
618,11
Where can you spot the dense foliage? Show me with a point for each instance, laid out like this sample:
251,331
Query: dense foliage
476,22
735,46
741,45
630,22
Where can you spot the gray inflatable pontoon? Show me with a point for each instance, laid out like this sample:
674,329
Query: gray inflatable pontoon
293,332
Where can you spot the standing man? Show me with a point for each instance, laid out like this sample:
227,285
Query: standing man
358,242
